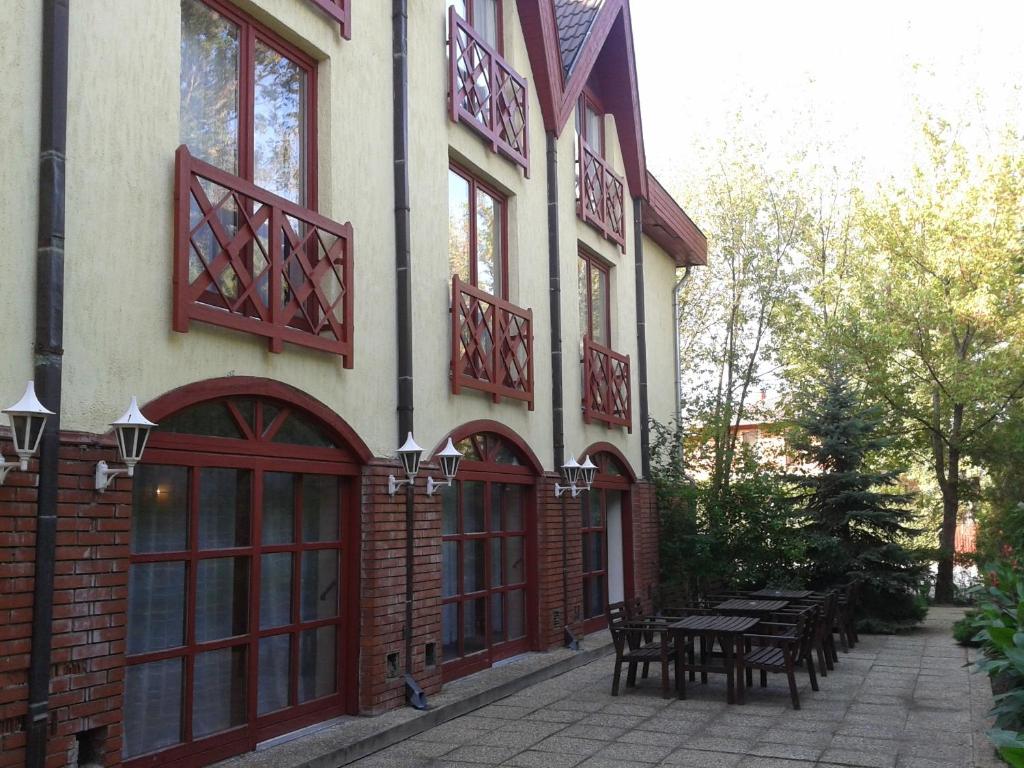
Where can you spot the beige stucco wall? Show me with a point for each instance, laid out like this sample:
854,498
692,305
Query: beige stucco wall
20,42
123,131
122,134
659,280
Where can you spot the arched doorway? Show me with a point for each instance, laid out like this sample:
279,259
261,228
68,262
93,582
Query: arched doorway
243,572
488,551
606,530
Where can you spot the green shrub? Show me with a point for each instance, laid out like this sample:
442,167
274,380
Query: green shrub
966,630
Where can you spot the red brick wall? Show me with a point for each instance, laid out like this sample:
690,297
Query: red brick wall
383,589
90,596
645,541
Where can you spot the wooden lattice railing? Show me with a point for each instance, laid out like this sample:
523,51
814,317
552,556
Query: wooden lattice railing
492,344
340,11
606,386
249,260
602,195
485,92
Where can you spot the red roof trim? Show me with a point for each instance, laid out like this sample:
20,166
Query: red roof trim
667,224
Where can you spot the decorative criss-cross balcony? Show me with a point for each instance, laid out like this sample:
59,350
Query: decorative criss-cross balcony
251,261
492,345
338,10
602,195
485,93
606,386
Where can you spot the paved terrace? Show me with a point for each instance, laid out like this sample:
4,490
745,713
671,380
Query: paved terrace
893,702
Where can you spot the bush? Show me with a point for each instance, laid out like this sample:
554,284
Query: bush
966,630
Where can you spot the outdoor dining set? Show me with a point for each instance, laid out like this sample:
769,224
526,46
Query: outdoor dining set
734,633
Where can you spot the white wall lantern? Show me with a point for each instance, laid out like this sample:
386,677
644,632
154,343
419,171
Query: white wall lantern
28,418
577,477
450,458
410,454
132,432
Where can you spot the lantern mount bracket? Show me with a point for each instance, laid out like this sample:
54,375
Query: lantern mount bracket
105,475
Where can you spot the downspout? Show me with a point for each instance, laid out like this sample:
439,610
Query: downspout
641,337
49,352
403,302
557,405
677,313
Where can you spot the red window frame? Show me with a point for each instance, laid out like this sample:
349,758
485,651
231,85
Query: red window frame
490,471
611,476
594,263
499,45
476,184
258,454
251,31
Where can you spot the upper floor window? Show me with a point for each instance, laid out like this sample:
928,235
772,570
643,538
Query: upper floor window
247,100
476,233
485,16
590,123
595,307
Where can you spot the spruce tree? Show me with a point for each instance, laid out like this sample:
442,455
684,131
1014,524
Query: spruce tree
856,522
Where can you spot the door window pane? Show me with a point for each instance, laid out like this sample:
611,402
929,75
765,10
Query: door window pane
458,226
599,305
593,552
450,631
449,568
275,589
593,597
319,597
497,618
516,613
593,133
320,508
473,565
218,698
450,510
152,706
222,598
209,85
485,21
223,508
473,625
317,663
512,504
515,572
274,673
278,508
159,509
279,124
472,507
583,296
156,606
496,580
488,243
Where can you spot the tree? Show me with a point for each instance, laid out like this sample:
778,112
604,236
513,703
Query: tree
855,520
937,331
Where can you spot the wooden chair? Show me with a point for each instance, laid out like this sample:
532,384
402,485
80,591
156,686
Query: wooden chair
782,653
630,648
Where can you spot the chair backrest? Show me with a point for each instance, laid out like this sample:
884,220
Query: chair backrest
813,624
635,608
617,617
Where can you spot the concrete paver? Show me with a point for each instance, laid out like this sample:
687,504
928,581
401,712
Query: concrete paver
893,702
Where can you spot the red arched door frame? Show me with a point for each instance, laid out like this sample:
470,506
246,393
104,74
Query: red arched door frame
262,428
614,473
495,457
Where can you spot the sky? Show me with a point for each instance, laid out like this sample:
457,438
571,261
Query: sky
851,75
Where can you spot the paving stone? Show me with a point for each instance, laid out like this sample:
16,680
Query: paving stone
597,732
692,758
536,759
476,753
642,753
865,759
564,744
787,751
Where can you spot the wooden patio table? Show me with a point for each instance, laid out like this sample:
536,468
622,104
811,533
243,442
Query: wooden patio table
728,631
782,594
751,607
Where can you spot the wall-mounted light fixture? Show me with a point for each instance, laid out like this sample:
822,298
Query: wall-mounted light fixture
28,417
578,477
132,432
450,458
410,454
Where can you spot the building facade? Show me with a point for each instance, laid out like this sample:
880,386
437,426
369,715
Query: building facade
297,230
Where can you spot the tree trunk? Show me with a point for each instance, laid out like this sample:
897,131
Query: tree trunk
947,538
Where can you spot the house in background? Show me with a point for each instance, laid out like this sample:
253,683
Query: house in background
297,230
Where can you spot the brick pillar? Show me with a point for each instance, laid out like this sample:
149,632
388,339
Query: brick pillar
90,606
645,542
560,587
383,589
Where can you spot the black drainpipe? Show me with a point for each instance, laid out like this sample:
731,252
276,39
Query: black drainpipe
403,302
49,351
641,337
555,296
557,408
